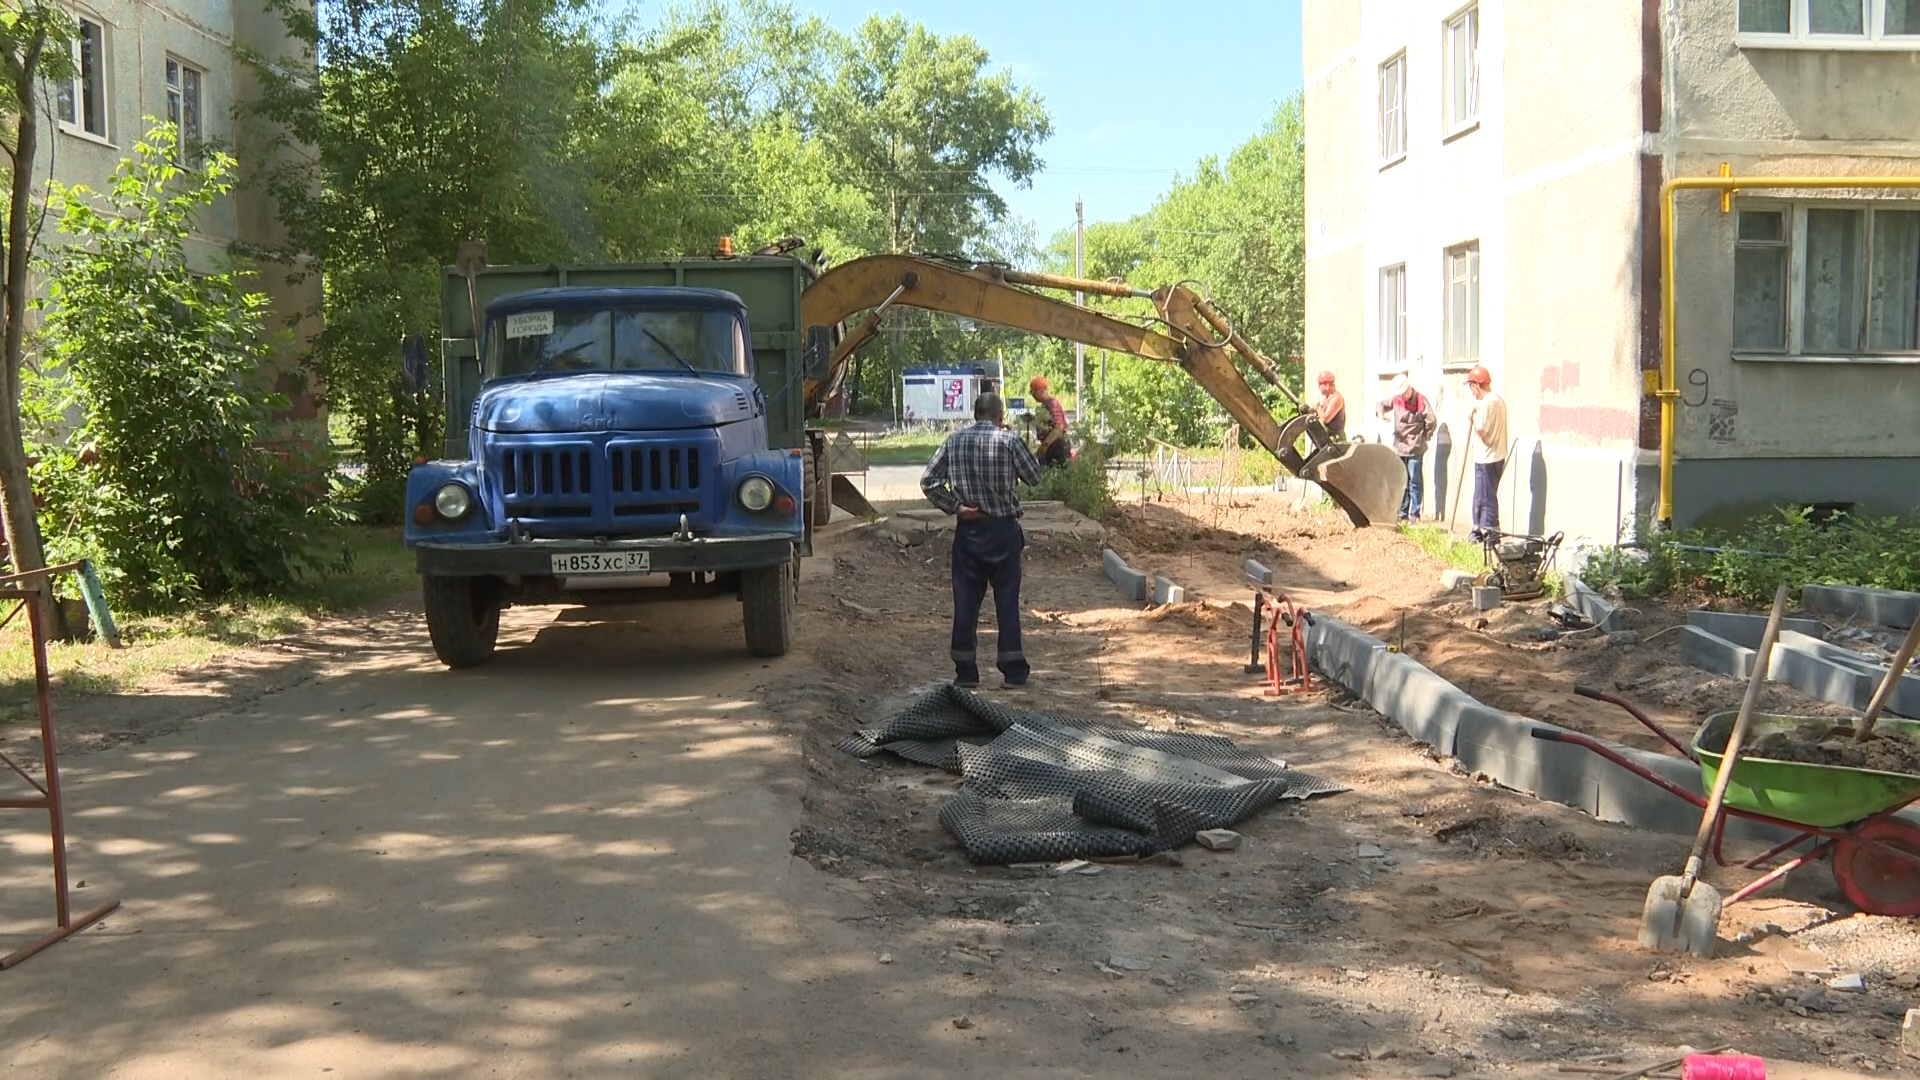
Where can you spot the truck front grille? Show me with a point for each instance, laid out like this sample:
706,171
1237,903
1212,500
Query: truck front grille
531,473
547,483
654,478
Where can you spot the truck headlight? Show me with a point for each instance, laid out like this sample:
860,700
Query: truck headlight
756,493
452,501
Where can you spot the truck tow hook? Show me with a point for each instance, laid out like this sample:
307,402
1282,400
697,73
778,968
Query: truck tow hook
685,535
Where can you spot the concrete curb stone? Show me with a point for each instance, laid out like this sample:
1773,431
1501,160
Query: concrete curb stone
1166,592
1711,652
1884,607
1132,582
1591,605
1839,675
1746,630
1487,740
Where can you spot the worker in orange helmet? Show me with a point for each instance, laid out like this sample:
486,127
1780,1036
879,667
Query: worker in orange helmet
1332,407
1488,444
1054,448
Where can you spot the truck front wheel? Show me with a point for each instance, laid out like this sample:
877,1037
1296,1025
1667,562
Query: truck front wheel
463,618
767,597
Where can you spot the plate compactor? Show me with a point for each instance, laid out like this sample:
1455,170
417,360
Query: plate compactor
1517,563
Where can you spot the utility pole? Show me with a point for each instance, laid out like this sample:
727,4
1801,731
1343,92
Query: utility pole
1079,300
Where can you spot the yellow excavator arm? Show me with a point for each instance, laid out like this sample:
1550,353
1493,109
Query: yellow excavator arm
1367,480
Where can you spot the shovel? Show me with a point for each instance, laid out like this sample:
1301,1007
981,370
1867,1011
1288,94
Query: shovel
1895,669
1683,913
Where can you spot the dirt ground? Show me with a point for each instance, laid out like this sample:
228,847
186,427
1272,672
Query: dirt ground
1493,936
626,849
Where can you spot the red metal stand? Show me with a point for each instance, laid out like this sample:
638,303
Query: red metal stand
1301,678
35,599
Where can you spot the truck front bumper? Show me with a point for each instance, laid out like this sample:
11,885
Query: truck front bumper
534,558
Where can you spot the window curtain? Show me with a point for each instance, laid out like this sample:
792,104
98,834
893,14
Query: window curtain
1833,280
1894,324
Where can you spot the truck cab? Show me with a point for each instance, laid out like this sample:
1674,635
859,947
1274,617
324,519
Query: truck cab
617,445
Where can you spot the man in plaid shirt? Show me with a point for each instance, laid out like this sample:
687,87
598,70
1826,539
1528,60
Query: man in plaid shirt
973,476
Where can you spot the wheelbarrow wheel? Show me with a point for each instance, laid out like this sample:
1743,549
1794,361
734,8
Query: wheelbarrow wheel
1876,881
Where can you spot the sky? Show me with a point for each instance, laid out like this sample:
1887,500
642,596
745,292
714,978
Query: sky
1139,92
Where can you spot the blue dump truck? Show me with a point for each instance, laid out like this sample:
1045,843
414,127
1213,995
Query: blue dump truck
616,435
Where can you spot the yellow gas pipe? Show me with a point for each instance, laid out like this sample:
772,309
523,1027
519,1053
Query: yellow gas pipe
1668,389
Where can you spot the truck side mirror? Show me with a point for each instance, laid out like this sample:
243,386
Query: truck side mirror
819,351
413,362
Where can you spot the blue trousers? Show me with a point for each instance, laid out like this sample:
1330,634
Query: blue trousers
987,553
1486,496
1410,502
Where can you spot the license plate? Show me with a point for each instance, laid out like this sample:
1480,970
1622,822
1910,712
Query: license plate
602,562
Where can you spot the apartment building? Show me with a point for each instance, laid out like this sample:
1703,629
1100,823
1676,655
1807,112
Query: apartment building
1484,186
139,61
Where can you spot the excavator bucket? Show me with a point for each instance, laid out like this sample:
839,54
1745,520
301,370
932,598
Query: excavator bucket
1368,480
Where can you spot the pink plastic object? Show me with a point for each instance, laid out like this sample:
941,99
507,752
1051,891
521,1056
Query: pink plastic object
1723,1067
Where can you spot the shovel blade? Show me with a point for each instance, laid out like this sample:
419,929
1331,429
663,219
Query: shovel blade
1679,919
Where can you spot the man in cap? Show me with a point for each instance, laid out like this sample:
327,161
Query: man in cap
1489,451
1332,407
1054,448
1413,425
975,476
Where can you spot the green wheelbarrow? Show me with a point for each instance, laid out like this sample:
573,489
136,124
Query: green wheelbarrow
1843,814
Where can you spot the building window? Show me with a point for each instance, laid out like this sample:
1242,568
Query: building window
184,108
1463,304
1760,276
1393,109
80,100
1830,24
1463,70
1393,316
1827,279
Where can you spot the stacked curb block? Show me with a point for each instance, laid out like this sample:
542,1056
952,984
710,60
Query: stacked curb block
1487,740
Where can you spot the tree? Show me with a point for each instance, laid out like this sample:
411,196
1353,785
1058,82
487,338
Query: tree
406,128
168,473
415,125
33,47
918,122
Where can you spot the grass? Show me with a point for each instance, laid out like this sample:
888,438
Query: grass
1446,547
155,644
905,447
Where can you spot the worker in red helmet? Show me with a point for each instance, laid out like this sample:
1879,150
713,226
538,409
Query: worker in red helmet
1331,408
1488,449
1054,449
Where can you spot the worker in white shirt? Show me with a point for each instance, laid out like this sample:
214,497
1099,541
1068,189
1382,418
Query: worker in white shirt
1489,449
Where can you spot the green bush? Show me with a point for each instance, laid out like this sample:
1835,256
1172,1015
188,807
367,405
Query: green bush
1082,483
1793,546
169,479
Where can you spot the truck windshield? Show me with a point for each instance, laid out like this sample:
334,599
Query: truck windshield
615,339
